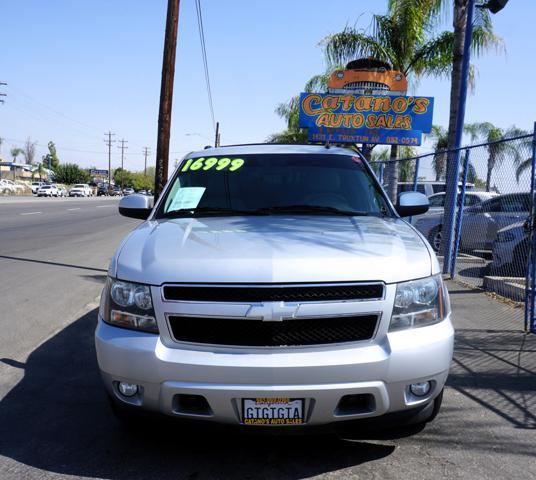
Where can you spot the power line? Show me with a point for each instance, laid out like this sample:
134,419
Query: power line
109,142
205,62
146,153
51,109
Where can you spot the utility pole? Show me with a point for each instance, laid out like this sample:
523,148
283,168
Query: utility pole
109,142
123,148
146,153
2,94
166,97
217,137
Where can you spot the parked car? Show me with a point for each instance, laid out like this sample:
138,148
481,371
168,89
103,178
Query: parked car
81,190
6,188
116,189
428,187
36,186
142,192
62,192
11,186
511,250
480,222
48,191
128,191
281,288
102,190
437,202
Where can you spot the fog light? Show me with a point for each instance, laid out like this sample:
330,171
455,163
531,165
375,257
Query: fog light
420,389
127,389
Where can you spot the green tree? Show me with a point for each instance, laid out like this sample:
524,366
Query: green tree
439,135
407,38
122,177
39,169
497,149
473,178
69,173
15,152
51,159
141,181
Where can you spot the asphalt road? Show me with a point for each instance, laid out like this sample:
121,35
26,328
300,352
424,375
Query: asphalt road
55,421
54,255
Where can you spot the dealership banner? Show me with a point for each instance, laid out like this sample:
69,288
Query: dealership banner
379,119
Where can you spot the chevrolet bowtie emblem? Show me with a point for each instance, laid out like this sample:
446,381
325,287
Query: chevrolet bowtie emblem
273,311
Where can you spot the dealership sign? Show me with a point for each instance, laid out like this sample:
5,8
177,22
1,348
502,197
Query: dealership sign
378,119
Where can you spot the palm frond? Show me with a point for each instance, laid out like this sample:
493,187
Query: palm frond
289,136
522,167
351,44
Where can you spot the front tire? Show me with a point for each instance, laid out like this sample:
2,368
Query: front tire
435,237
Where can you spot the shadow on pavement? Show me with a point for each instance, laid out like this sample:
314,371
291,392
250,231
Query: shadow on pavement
58,419
497,370
55,264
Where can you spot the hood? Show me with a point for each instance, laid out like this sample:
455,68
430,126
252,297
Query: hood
273,249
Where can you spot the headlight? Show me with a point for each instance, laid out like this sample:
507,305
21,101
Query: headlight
128,305
419,303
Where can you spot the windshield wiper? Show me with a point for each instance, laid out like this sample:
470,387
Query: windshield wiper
209,211
312,210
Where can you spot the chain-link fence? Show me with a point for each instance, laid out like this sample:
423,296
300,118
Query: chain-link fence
491,241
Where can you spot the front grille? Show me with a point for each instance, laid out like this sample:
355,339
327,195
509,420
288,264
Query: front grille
366,86
256,333
274,293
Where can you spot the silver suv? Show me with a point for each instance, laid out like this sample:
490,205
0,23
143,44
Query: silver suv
275,285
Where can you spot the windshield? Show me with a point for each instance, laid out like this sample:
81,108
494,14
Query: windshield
271,184
79,186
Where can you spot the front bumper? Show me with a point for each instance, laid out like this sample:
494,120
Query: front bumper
321,375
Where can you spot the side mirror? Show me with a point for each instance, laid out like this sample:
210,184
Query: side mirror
136,206
412,203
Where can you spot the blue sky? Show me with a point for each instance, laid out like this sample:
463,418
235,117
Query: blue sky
78,69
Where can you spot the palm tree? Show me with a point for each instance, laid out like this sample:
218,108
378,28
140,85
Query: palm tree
290,111
406,38
526,164
498,149
15,152
439,161
522,166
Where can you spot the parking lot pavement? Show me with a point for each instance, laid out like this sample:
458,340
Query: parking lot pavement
55,421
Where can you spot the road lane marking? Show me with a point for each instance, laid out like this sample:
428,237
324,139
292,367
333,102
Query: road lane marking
104,206
30,213
71,209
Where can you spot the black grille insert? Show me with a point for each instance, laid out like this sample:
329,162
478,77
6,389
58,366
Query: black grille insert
274,293
256,333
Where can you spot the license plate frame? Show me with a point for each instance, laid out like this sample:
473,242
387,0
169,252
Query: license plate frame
274,411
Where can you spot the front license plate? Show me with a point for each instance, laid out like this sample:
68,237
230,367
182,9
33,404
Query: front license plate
272,411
